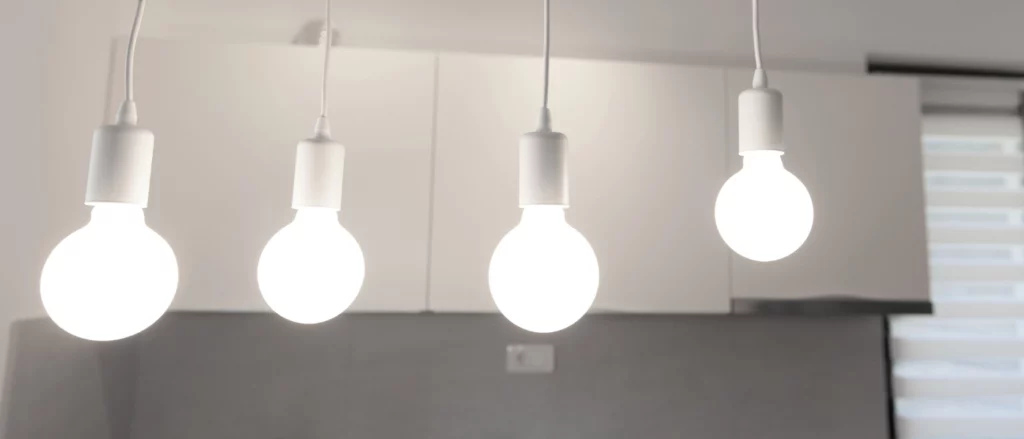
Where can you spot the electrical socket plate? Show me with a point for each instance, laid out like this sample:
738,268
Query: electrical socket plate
530,358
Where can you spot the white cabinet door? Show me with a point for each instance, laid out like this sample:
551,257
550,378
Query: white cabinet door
227,119
646,160
855,143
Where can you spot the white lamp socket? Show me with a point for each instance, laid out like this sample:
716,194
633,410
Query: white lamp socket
760,120
319,173
120,165
543,169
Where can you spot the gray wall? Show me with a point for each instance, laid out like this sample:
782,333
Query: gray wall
256,376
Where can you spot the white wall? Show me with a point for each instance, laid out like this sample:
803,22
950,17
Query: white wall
52,91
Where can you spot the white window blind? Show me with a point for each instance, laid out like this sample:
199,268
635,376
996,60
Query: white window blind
960,373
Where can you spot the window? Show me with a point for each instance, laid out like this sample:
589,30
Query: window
960,373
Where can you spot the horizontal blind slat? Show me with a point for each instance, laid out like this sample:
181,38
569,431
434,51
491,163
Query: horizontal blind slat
1001,199
977,273
981,126
976,236
951,387
920,349
959,428
973,219
934,163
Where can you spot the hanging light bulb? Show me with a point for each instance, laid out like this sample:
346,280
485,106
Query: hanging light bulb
312,269
764,213
544,274
114,277
110,279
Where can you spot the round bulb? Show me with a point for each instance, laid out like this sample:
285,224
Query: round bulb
110,279
544,274
764,213
312,269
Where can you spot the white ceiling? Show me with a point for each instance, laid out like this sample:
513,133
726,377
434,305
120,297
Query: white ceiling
814,31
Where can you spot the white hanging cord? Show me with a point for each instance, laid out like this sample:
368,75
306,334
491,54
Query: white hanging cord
545,114
127,113
328,42
757,36
129,70
760,79
547,47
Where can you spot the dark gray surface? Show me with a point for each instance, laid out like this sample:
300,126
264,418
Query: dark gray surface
829,306
252,376
58,386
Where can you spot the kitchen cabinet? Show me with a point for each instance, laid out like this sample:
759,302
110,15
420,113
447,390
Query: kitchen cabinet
227,119
647,156
854,141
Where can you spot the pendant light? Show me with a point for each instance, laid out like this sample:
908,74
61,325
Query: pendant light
114,277
313,268
764,213
544,274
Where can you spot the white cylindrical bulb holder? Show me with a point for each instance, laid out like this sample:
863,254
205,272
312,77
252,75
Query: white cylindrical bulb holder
543,169
120,165
760,120
319,173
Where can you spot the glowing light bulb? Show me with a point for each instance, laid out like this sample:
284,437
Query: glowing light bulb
312,269
764,212
544,274
110,279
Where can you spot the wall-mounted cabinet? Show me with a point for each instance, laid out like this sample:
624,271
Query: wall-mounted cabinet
646,159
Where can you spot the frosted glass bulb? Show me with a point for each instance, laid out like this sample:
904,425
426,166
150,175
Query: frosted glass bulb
110,279
764,213
312,269
544,274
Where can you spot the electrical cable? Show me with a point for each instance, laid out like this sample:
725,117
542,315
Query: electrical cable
129,70
757,35
547,48
760,78
328,42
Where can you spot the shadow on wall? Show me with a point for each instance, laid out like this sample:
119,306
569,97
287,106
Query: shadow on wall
208,375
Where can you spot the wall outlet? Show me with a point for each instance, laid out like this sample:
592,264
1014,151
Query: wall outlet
530,358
